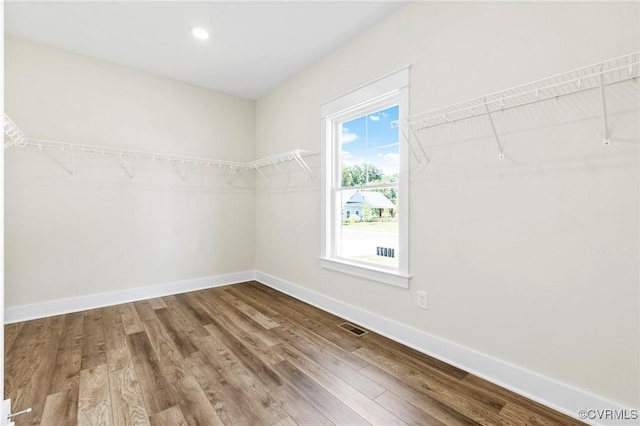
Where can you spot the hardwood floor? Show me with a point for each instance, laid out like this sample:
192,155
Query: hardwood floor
238,355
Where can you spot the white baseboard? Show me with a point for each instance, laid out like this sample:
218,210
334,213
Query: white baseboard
76,304
561,397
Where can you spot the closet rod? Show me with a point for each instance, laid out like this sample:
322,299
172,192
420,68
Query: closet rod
595,76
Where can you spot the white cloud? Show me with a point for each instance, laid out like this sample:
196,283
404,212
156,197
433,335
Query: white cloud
388,162
374,117
348,159
348,136
389,156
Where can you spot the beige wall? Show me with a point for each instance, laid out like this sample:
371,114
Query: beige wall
532,260
101,232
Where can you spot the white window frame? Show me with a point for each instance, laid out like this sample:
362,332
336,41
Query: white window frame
390,89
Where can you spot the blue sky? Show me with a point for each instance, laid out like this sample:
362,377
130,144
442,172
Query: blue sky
371,138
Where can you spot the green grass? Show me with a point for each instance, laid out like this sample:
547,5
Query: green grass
372,226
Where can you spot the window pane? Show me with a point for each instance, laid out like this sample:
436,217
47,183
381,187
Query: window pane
369,148
379,127
369,226
383,164
353,137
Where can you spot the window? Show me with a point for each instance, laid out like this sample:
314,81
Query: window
365,182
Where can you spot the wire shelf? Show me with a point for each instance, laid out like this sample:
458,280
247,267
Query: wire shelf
17,138
592,77
587,78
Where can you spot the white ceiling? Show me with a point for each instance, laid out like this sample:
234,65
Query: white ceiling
255,46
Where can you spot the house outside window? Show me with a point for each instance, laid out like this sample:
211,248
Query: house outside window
376,203
365,182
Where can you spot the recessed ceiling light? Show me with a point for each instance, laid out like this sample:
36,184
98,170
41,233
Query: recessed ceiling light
200,33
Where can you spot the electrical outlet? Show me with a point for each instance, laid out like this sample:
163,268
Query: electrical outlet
422,300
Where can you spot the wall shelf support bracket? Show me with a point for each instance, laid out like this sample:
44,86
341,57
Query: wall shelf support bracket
605,127
72,170
407,139
297,156
232,173
133,169
495,133
183,173
263,175
424,152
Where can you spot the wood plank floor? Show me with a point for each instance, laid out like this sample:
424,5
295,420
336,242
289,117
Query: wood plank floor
238,355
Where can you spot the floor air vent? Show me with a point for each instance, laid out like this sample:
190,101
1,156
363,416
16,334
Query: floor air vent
353,329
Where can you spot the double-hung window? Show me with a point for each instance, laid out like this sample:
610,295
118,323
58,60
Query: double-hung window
365,169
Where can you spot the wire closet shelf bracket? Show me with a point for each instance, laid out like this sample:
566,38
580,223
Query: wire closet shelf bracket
15,137
593,77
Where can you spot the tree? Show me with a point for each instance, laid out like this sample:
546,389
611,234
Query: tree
361,174
357,175
390,193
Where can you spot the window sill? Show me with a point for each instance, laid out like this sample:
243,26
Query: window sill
372,273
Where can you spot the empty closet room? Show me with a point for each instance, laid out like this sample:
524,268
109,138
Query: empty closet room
321,213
